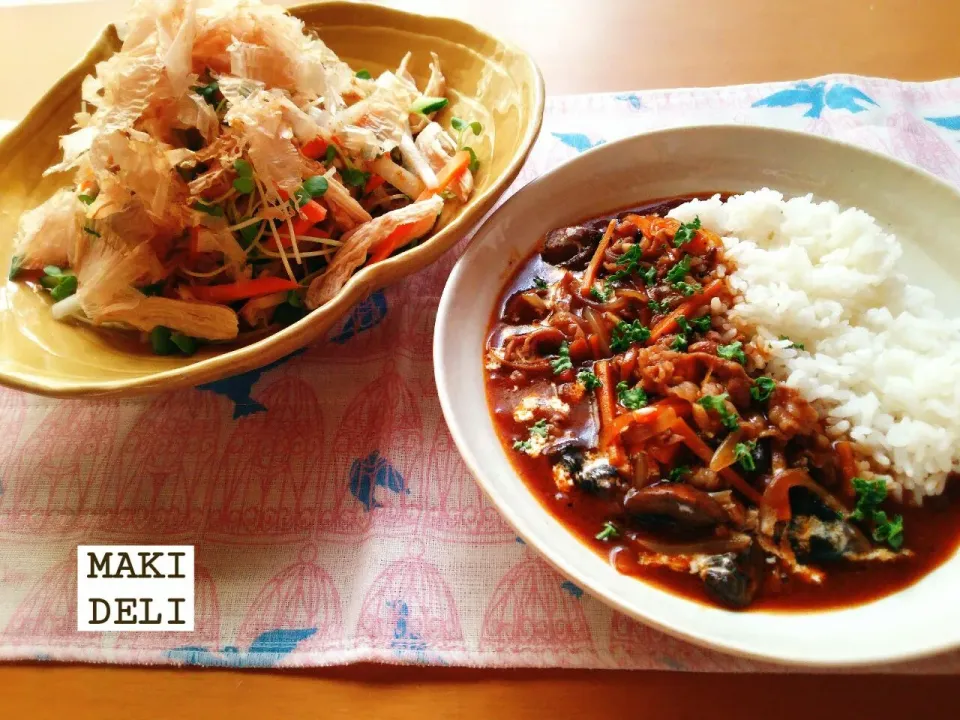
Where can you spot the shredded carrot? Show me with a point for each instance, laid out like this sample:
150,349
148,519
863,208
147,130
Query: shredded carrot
311,213
606,403
595,346
242,289
398,238
449,173
664,454
579,349
686,309
699,448
315,149
373,183
591,273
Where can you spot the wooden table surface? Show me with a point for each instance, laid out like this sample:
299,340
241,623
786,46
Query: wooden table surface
581,46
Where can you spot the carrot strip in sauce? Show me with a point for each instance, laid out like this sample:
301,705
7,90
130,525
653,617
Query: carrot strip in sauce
847,463
669,323
699,448
579,349
591,272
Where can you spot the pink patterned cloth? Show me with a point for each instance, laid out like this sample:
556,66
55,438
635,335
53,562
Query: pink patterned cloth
333,519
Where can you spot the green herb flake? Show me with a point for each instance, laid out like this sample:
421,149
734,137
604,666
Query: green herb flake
679,343
762,388
426,105
743,453
316,186
474,160
563,362
588,379
628,263
794,345
687,289
65,288
683,324
676,475
600,293
626,334
208,92
686,232
657,307
364,74
609,532
702,323
354,178
632,399
649,275
680,270
539,428
539,283
86,199
718,403
733,351
330,155
160,341
214,210
243,185
186,344
870,493
523,446
888,531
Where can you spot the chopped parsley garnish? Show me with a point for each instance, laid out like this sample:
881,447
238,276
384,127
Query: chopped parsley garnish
676,475
589,380
608,532
683,324
657,307
563,362
626,334
794,345
718,403
686,232
354,178
888,531
870,493
702,323
679,343
214,210
679,271
733,351
600,293
631,399
649,275
743,453
539,283
629,263
363,74
762,388
243,183
539,428
687,289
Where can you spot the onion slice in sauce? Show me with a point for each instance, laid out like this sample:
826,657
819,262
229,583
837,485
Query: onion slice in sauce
725,456
735,543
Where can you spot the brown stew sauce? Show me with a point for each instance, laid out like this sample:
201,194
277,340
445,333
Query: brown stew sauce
932,532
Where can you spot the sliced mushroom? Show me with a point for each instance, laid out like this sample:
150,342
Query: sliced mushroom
684,504
732,579
570,247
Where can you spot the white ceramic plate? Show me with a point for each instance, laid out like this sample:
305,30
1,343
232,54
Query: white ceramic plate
920,620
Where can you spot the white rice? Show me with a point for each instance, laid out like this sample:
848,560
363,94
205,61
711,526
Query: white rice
880,361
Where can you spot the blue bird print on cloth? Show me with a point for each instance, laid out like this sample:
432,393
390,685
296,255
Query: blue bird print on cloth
578,141
406,643
238,388
266,650
372,472
632,99
950,122
366,315
575,590
818,97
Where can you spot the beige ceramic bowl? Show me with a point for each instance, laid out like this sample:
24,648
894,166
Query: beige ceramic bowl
921,619
490,80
